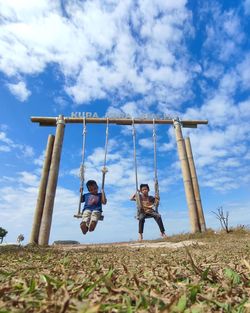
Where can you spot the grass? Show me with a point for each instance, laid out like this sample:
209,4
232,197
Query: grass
214,277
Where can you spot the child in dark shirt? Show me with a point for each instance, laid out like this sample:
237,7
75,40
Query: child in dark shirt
148,204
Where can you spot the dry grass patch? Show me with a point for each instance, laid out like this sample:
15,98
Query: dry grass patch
214,277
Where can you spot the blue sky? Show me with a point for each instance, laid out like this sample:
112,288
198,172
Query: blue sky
183,58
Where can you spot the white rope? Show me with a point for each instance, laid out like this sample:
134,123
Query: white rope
135,161
138,199
104,169
155,158
82,168
155,167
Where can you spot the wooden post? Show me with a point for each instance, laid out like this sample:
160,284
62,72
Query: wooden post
42,191
52,183
195,226
195,184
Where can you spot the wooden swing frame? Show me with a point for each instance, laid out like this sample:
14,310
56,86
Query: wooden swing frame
46,194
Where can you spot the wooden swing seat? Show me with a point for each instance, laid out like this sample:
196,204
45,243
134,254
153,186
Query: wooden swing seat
80,216
146,217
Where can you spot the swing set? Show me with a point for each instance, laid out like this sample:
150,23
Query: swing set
105,169
47,189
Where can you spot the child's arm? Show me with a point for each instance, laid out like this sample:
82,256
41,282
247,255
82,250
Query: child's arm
133,197
104,199
157,200
82,195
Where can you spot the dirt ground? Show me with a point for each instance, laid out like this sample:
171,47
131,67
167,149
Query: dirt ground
134,245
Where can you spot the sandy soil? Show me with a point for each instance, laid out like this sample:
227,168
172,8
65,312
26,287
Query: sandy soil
135,245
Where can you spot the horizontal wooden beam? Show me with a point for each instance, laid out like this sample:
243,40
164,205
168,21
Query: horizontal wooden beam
51,121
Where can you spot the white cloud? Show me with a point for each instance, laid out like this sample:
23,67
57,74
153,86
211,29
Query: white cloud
20,91
220,149
28,179
246,4
244,73
5,139
24,10
146,143
244,108
21,214
167,146
5,149
98,47
40,160
10,145
224,33
131,108
61,103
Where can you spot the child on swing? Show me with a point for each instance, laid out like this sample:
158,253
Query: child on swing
148,204
92,210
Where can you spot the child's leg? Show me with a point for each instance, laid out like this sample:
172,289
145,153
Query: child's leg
94,220
158,219
141,225
85,221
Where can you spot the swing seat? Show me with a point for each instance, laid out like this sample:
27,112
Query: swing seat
137,217
80,216
101,218
146,217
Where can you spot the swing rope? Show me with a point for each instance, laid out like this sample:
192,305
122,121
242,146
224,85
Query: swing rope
156,184
82,165
104,169
138,200
82,168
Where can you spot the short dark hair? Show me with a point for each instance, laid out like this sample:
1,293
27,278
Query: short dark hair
144,185
91,183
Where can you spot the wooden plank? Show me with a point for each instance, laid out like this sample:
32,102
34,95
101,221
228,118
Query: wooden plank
51,121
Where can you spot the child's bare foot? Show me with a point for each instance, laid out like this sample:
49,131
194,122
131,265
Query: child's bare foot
84,227
92,226
163,235
140,237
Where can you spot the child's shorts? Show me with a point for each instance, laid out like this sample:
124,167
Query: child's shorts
89,216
